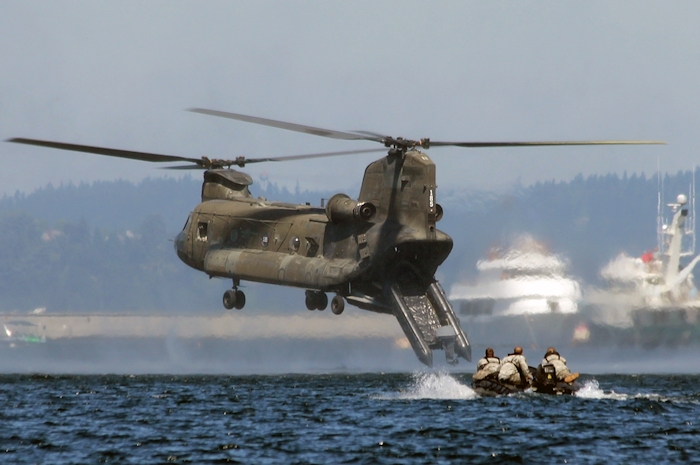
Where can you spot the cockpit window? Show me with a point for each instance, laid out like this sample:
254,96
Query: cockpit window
187,223
202,231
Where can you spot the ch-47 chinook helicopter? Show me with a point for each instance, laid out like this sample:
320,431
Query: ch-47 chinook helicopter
379,252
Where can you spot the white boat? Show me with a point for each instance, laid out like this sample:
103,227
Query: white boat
525,279
521,296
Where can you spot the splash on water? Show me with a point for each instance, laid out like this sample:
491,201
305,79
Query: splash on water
591,390
436,385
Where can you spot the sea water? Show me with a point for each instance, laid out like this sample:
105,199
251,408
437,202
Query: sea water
424,417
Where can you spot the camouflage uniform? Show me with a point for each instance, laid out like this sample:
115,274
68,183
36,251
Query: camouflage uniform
486,367
512,367
559,364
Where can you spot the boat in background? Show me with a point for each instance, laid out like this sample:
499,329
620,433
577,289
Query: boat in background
19,332
525,279
521,296
651,300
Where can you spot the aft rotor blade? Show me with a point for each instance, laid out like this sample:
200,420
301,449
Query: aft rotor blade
313,155
143,156
289,126
181,167
376,135
546,143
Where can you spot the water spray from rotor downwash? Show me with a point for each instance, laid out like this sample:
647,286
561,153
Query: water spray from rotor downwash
442,386
591,390
435,385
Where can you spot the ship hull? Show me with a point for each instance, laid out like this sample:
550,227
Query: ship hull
651,334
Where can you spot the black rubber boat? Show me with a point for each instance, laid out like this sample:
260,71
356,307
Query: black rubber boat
545,383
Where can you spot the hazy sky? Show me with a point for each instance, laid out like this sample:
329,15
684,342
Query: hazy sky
120,74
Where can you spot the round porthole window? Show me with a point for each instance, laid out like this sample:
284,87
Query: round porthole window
265,240
233,237
294,243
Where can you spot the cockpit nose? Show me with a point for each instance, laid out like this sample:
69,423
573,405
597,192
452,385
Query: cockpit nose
180,244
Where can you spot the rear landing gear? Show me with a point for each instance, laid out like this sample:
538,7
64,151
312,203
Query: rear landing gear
316,300
234,298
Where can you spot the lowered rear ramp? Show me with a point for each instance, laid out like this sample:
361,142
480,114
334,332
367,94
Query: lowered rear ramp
429,322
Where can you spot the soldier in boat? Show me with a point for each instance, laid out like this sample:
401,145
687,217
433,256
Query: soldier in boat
558,363
514,370
487,367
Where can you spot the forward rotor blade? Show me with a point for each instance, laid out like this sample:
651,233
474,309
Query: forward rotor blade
242,161
550,143
313,155
196,163
289,126
143,156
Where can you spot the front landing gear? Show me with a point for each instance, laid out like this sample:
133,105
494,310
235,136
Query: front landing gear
234,298
338,304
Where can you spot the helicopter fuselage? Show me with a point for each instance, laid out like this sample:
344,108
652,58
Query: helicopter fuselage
339,248
379,252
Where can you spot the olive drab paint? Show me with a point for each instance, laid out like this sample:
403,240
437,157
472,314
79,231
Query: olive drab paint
354,248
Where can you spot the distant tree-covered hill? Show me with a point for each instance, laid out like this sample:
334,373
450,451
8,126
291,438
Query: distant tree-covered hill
107,246
121,204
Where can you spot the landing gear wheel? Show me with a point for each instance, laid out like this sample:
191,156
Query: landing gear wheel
322,301
229,299
310,301
316,300
240,300
337,305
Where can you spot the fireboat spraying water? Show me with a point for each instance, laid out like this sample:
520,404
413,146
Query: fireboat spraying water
652,300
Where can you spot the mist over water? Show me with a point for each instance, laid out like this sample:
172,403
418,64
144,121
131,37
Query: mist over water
174,354
177,355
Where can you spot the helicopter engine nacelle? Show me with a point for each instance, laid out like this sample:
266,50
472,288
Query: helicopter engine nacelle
341,208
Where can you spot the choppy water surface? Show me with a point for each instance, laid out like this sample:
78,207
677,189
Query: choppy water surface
373,418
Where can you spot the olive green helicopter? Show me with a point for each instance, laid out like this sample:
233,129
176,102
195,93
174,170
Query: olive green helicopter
379,252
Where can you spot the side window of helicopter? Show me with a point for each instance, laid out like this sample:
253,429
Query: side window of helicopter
294,244
202,231
233,237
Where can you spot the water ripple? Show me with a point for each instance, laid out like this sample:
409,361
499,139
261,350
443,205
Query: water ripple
374,418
